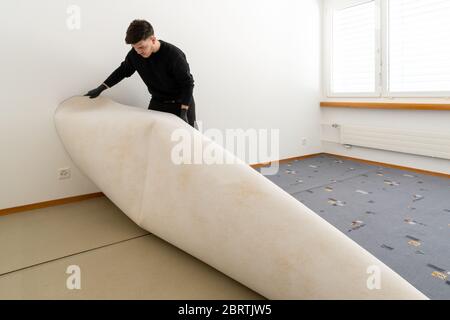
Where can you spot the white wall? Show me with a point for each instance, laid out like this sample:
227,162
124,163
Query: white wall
256,65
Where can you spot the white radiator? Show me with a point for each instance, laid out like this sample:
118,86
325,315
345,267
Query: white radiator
431,144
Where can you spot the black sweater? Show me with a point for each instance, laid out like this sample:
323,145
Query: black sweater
166,73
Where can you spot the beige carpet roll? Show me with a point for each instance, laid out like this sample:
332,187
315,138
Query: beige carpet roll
227,215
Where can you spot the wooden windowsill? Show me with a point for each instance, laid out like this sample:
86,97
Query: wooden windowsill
386,105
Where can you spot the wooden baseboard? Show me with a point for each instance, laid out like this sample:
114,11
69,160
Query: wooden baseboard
432,173
386,105
259,165
58,202
50,203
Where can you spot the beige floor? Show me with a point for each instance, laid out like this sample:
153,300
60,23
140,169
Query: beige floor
117,259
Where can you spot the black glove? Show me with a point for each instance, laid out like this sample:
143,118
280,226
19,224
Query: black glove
183,115
94,93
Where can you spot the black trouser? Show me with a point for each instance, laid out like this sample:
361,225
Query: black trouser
172,107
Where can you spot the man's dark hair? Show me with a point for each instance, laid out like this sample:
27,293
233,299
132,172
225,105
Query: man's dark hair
138,30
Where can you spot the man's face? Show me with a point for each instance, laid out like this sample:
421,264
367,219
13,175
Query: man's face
145,47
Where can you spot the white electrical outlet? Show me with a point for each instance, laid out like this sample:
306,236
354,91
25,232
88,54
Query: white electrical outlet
64,173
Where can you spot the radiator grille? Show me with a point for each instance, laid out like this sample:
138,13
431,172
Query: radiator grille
406,141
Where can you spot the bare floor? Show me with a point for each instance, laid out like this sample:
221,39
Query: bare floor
42,253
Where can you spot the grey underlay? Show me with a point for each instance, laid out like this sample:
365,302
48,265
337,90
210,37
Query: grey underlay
401,217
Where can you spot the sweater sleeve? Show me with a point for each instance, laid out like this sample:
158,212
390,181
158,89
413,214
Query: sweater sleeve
184,79
125,70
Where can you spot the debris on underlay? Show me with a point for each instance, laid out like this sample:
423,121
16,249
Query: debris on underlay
432,266
312,166
420,252
413,222
380,174
329,189
387,247
413,241
438,272
417,197
362,191
391,183
439,275
289,171
370,212
408,175
356,225
338,161
335,202
299,181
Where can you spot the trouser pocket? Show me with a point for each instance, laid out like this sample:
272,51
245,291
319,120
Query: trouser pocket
174,108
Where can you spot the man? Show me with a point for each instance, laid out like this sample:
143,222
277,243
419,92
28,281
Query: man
163,68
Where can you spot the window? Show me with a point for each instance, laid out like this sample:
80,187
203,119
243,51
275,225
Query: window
388,48
353,59
419,45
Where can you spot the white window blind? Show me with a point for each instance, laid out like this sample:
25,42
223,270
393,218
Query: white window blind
353,49
419,46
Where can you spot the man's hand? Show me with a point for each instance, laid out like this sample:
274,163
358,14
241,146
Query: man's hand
94,93
183,114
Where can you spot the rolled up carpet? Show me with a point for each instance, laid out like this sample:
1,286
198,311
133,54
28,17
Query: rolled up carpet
227,215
